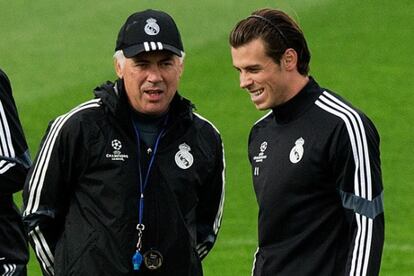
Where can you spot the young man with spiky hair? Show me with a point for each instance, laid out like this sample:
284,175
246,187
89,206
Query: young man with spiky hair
315,159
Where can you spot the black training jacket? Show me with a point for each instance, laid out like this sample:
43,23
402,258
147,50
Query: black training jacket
81,196
14,165
317,177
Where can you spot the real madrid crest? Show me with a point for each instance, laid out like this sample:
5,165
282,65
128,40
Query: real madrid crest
183,158
296,153
152,28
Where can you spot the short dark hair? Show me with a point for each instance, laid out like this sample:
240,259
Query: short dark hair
278,31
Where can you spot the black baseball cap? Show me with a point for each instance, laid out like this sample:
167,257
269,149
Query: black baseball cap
149,30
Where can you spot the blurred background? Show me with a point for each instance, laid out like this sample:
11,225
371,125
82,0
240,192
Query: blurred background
56,52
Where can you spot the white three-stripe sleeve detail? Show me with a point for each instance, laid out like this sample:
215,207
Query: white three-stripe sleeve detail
11,269
351,125
367,165
360,225
352,140
37,179
6,143
38,168
42,250
219,215
363,238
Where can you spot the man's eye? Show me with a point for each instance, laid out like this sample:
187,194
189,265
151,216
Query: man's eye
140,64
254,70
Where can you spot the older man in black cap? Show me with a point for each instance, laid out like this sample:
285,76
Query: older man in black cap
131,182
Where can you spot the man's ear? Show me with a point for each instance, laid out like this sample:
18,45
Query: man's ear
118,68
181,68
290,59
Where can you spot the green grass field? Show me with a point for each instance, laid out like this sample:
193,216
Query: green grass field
56,52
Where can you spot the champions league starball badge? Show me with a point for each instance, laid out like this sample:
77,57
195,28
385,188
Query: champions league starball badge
153,259
183,158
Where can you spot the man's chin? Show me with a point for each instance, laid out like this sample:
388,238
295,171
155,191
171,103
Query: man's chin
261,106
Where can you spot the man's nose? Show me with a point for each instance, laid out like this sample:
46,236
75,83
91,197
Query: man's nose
245,80
154,74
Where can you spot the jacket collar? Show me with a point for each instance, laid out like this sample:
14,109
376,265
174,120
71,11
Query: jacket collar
114,98
299,104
